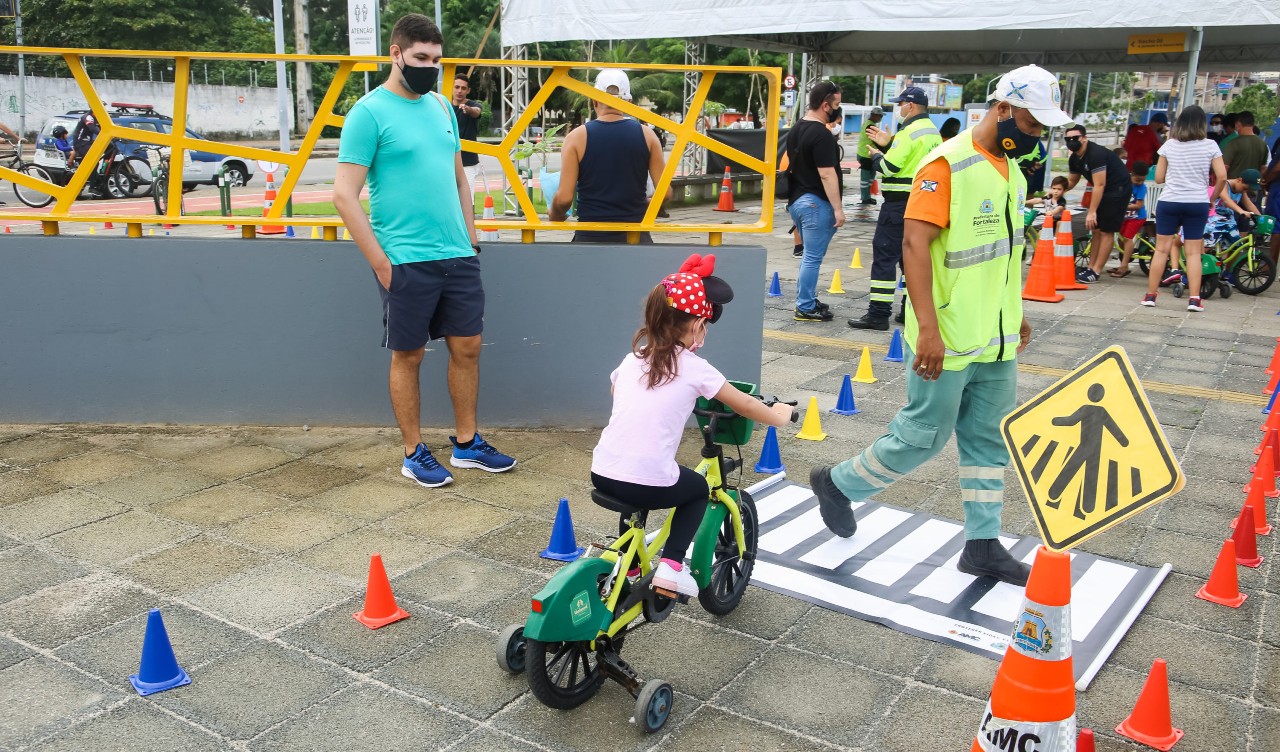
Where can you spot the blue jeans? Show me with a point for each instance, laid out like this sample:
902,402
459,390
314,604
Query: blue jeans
816,220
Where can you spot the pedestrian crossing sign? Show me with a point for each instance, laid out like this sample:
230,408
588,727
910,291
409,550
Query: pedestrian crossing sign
1089,451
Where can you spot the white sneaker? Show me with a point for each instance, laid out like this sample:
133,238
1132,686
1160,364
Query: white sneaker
667,577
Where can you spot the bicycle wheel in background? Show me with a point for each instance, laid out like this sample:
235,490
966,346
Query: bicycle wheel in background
30,196
140,176
1253,273
160,192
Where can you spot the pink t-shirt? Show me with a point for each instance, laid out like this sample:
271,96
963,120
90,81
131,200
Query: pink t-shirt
639,444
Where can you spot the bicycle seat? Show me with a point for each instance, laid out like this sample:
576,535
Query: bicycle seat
612,503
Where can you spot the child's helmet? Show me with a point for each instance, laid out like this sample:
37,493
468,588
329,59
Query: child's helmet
59,132
695,291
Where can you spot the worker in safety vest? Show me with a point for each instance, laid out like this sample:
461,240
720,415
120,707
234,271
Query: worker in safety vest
915,138
963,253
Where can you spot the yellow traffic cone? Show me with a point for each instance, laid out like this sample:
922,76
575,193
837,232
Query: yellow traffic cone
151,232
811,430
864,375
856,263
315,232
836,288
92,231
346,234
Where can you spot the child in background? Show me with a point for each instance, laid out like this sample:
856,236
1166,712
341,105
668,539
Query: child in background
1135,218
1053,201
654,391
63,144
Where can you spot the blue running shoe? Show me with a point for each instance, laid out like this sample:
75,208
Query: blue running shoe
423,469
480,455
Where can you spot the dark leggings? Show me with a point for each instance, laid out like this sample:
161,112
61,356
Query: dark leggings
687,500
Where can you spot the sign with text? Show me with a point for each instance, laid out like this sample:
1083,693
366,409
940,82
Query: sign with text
1152,44
362,27
1090,452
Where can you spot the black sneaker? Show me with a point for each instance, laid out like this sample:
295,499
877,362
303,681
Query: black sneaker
816,314
901,318
818,305
869,202
834,506
869,322
987,558
797,251
1088,276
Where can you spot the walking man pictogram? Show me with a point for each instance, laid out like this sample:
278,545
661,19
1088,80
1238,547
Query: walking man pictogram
1093,421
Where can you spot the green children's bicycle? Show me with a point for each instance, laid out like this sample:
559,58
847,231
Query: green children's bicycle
577,624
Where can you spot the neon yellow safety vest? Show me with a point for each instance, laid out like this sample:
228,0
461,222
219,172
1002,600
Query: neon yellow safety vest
977,259
916,138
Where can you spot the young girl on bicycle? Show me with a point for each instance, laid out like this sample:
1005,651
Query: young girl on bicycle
654,391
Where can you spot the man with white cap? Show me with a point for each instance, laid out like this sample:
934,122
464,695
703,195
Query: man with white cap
607,162
963,253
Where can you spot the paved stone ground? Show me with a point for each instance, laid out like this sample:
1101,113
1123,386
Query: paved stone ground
254,543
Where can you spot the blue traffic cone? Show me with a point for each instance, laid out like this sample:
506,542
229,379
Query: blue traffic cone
775,287
770,458
288,232
158,670
844,402
895,348
902,283
563,546
1271,402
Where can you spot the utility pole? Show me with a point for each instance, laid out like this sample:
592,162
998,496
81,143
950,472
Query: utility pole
22,77
282,86
302,45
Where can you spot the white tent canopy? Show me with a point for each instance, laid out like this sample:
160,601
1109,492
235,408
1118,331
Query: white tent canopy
861,36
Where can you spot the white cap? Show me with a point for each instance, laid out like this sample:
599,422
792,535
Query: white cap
614,77
1036,89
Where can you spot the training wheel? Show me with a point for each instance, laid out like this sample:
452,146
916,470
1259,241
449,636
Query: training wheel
1178,289
1225,290
653,705
511,645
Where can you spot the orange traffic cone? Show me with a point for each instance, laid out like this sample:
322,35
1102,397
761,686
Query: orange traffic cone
1084,743
726,194
380,607
1039,284
268,199
1275,360
488,235
1034,690
1258,502
1246,539
875,187
1151,722
1264,475
108,226
1064,256
1272,383
1223,586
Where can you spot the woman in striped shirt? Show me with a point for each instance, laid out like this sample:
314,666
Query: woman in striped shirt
1185,162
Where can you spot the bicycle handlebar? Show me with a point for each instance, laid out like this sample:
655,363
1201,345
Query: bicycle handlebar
769,401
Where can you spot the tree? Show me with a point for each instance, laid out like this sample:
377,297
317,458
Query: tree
1258,99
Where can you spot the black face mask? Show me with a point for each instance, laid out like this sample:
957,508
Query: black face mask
420,79
1013,141
834,115
1073,143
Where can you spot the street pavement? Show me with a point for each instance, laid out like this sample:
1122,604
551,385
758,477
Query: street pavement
254,543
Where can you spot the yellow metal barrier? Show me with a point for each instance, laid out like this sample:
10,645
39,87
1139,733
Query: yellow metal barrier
178,142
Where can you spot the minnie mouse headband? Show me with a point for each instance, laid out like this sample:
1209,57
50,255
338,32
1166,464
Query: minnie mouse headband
695,291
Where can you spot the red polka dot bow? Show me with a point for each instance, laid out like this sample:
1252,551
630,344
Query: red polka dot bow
685,289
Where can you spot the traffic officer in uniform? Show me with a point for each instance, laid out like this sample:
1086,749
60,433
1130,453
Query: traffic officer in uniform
866,165
963,253
915,138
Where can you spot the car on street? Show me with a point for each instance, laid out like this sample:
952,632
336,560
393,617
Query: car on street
200,167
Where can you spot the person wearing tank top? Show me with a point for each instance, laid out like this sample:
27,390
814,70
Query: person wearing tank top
606,164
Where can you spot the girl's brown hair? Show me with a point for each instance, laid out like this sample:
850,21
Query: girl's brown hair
657,342
1190,125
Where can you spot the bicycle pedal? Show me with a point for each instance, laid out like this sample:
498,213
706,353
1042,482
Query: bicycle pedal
673,595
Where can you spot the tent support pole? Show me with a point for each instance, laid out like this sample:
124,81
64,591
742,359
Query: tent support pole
1189,91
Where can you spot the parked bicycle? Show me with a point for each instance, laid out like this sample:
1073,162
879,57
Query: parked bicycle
160,182
11,157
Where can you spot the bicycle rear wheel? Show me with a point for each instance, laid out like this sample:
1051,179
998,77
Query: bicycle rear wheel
30,196
160,192
730,572
1253,273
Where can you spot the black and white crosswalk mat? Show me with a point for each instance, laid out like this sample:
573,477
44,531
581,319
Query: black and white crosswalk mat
900,570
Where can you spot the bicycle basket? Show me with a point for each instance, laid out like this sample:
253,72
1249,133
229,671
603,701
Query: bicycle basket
1028,217
1266,224
735,431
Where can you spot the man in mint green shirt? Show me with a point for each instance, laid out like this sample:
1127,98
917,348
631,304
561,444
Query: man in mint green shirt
420,240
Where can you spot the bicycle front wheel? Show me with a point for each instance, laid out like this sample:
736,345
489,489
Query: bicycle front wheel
32,197
731,572
160,192
1254,273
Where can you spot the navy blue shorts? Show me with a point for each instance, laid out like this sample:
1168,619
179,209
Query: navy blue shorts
432,299
1172,216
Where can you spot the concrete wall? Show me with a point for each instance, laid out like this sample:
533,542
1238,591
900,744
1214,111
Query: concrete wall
210,109
288,332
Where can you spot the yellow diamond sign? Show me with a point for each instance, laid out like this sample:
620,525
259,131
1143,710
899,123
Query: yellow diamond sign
1089,451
